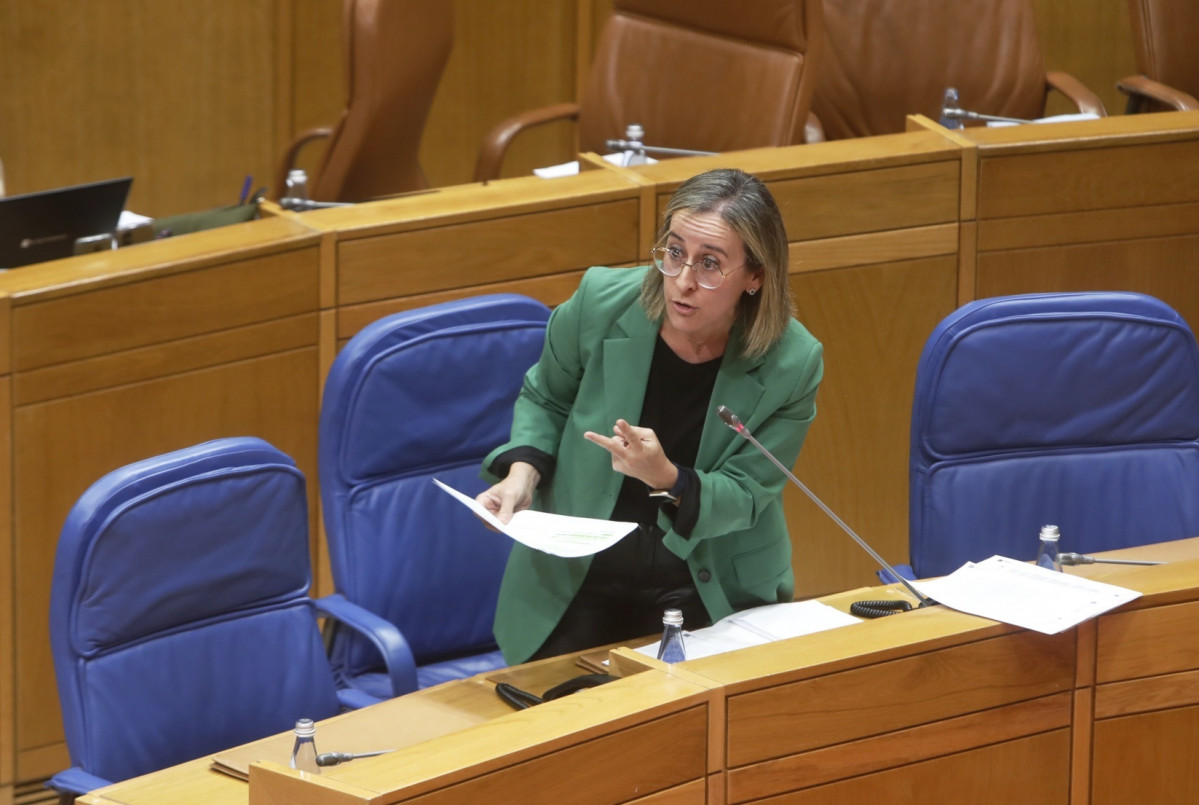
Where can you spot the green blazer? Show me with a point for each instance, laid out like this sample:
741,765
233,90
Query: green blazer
592,371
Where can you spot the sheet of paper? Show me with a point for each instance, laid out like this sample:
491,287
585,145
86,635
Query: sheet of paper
1051,119
552,533
753,627
1022,594
571,168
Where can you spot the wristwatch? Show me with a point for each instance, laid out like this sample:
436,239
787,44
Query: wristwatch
673,494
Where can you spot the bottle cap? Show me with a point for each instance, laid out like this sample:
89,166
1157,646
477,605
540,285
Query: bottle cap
673,617
305,727
1049,532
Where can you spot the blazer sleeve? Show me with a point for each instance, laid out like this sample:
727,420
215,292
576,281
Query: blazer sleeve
551,385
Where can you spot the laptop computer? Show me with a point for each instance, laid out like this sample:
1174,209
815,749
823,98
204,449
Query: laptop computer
45,225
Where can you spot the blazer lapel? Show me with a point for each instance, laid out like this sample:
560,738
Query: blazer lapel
628,353
738,389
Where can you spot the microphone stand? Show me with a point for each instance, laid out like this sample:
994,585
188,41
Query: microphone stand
735,423
954,113
1068,558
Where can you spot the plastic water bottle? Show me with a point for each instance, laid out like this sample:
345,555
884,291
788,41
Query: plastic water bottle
1048,554
671,647
303,753
950,101
297,186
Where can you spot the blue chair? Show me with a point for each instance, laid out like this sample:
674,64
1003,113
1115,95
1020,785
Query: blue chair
180,621
420,395
1078,409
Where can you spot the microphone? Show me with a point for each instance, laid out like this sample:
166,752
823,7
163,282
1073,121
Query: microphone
334,758
1067,558
735,423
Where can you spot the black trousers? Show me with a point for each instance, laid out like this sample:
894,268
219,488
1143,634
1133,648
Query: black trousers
624,595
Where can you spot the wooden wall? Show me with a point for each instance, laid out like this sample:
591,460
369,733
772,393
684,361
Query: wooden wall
190,97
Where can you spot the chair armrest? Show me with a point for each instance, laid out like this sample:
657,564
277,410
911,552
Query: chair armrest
1139,89
903,570
495,144
813,130
1083,99
76,781
386,638
352,699
293,153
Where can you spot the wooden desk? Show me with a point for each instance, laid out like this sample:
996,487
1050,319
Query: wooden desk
108,358
929,706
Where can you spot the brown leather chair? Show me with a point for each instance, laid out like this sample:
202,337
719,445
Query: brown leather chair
1166,36
887,59
708,75
395,53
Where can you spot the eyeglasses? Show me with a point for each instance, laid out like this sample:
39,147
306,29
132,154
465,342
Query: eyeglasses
708,273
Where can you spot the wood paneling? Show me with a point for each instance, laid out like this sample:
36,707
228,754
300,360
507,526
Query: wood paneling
178,95
1166,267
786,719
903,748
1030,771
1088,178
1161,746
1091,41
873,321
1131,644
8,657
651,757
490,251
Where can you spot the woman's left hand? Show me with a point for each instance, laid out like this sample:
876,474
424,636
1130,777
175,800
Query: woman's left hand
638,453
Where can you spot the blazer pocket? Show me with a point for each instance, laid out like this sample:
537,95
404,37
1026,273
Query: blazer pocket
761,565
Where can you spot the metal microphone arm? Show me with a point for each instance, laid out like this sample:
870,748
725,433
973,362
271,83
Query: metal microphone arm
1067,558
733,422
953,113
640,147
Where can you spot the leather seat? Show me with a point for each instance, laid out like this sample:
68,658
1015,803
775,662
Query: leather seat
1076,409
887,59
419,395
180,622
1166,39
705,75
396,51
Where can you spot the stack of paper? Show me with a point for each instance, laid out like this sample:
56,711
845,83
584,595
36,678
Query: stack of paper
754,627
1021,594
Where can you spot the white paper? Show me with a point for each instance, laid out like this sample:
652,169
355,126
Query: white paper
1022,594
620,159
754,627
552,533
1050,119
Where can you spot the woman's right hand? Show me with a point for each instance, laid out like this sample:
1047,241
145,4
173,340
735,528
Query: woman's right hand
513,494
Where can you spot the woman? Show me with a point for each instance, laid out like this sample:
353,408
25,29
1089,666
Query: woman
617,421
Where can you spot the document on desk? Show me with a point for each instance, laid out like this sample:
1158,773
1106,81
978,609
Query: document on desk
759,625
557,534
1023,594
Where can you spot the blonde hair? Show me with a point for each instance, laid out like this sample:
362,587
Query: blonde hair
745,204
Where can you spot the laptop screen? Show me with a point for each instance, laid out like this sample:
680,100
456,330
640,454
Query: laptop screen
44,225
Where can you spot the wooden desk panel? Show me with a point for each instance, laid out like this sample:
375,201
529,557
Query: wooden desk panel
778,720
1029,771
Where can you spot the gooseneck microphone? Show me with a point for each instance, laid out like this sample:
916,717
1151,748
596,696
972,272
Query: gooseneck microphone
735,423
1067,558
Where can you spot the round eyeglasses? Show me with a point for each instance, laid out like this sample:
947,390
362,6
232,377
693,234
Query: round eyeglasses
708,273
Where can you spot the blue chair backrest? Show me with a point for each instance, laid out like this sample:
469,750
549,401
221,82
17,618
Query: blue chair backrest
1078,409
420,395
179,617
